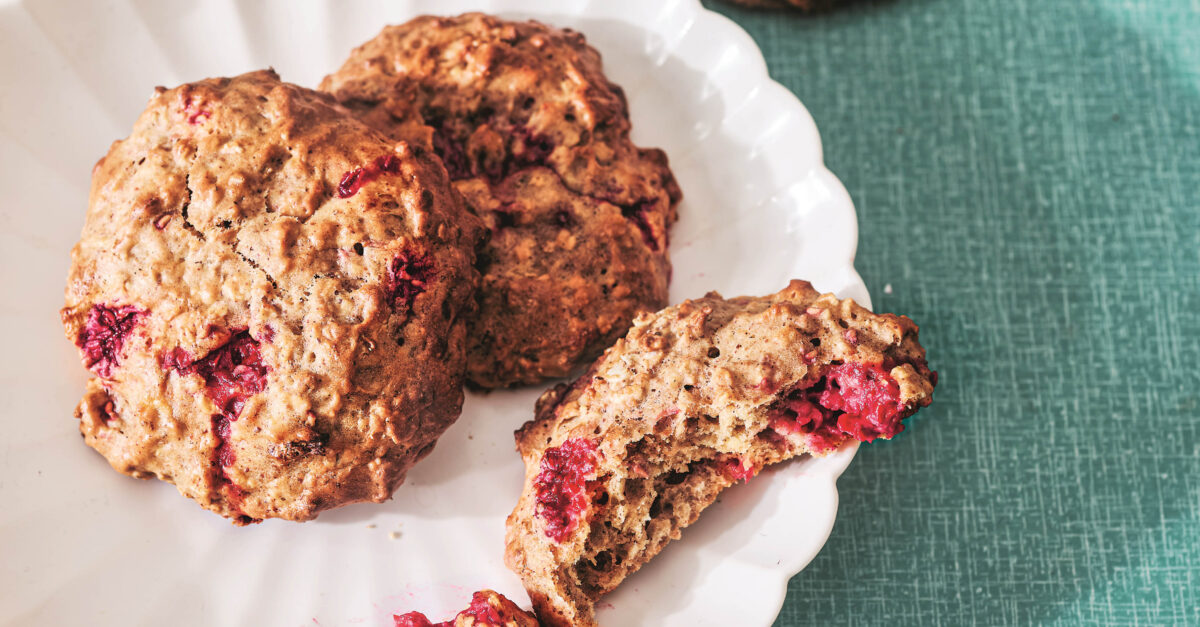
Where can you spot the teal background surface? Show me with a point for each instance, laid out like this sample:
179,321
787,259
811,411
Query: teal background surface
1027,179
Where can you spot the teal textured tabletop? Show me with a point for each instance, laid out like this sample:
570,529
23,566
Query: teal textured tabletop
1027,179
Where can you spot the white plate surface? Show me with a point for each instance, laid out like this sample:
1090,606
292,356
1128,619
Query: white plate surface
81,544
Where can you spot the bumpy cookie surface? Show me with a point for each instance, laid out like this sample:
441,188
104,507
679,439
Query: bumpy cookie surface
693,399
488,609
537,141
270,295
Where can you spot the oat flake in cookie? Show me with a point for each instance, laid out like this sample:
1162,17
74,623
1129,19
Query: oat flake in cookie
693,399
537,140
270,296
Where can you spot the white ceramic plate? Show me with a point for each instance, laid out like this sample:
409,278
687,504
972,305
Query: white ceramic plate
81,544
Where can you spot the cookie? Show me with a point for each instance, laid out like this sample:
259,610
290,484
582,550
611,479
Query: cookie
271,298
488,609
803,5
537,141
693,399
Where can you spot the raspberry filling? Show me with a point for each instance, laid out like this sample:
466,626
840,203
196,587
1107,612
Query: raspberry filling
224,455
480,609
639,215
232,372
353,180
526,147
869,399
408,276
458,166
561,486
103,335
108,413
417,619
738,470
535,148
861,401
194,111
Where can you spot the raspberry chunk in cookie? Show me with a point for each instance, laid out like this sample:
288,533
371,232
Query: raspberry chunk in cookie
103,336
488,609
562,487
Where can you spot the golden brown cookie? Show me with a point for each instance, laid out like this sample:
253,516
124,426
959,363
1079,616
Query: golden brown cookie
271,297
693,399
488,609
537,140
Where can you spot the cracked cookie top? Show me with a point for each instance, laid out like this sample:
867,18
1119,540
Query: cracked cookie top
537,141
270,296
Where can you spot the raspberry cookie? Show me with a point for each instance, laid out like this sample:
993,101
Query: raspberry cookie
693,399
271,297
537,140
487,609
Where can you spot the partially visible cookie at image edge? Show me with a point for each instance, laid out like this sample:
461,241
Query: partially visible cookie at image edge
802,5
488,608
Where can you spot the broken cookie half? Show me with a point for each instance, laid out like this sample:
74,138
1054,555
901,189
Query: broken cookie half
695,398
